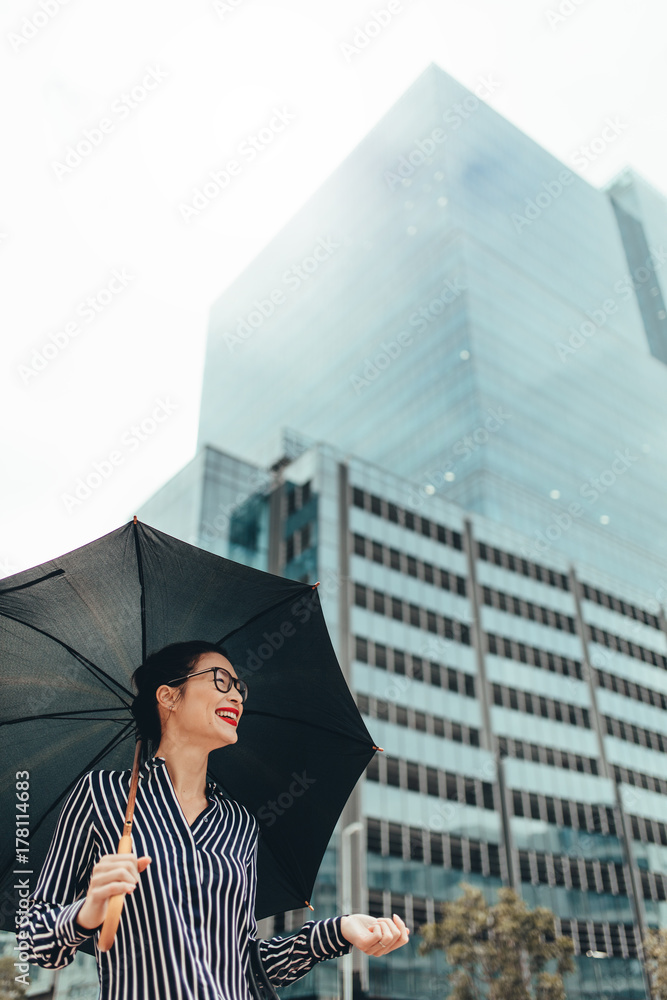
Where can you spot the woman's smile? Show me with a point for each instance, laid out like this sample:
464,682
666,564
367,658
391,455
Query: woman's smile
229,715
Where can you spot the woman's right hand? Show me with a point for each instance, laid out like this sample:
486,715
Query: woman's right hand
113,874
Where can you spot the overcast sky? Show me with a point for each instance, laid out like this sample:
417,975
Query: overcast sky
99,265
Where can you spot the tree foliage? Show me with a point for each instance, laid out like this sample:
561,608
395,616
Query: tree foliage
655,955
499,952
9,988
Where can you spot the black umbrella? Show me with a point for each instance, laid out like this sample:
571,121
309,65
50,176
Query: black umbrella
73,630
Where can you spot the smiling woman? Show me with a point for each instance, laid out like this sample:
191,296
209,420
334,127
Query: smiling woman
188,922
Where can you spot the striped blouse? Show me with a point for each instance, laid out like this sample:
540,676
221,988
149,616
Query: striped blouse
184,931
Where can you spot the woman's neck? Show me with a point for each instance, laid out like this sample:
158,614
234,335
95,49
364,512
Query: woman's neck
187,768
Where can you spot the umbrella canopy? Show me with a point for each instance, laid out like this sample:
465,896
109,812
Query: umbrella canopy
73,630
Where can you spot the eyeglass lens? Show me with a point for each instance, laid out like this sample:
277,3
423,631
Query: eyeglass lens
224,680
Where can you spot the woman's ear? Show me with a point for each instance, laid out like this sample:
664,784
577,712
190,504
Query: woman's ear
166,697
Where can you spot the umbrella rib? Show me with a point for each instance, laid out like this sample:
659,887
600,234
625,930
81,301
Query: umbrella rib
140,571
88,664
65,715
31,583
283,600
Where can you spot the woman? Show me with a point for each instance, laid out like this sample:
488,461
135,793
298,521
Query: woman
191,882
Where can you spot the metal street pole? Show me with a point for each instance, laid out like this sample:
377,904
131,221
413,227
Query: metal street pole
346,895
595,955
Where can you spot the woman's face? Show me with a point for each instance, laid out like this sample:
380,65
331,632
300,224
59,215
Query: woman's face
202,716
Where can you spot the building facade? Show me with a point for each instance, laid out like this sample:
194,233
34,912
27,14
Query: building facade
457,305
520,704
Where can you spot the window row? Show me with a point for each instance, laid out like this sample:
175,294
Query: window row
526,609
413,909
418,777
635,734
654,886
537,704
406,664
574,873
512,650
621,645
561,812
648,831
622,607
413,843
616,940
631,690
392,512
648,781
404,563
411,614
403,715
522,750
530,569
297,496
298,542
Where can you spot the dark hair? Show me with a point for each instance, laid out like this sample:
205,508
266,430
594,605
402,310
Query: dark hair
175,660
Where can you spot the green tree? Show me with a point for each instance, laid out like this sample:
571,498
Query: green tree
9,988
655,956
499,952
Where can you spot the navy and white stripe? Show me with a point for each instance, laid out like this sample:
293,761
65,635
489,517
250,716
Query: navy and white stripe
184,931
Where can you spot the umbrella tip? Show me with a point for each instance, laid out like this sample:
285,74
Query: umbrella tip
315,585
378,748
135,519
309,906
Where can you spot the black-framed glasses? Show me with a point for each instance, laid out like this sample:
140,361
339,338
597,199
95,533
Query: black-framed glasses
222,678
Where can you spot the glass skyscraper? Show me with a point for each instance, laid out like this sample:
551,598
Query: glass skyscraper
520,703
441,391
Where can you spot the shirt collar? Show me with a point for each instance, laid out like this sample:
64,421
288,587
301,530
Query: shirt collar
156,763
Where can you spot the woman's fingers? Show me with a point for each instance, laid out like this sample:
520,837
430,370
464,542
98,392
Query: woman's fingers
384,935
393,934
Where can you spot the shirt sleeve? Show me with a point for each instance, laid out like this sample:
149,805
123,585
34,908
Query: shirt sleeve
48,932
287,959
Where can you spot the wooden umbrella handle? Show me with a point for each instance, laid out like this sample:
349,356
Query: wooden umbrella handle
115,908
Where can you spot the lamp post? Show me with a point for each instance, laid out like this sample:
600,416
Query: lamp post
594,955
346,895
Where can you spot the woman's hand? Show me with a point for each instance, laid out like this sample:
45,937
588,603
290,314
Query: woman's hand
375,935
113,874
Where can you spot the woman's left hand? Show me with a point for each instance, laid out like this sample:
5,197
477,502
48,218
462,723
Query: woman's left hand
375,935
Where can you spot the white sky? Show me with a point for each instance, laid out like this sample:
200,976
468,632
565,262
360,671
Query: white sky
218,75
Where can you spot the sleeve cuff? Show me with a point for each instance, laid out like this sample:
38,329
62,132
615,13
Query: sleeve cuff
68,930
327,940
